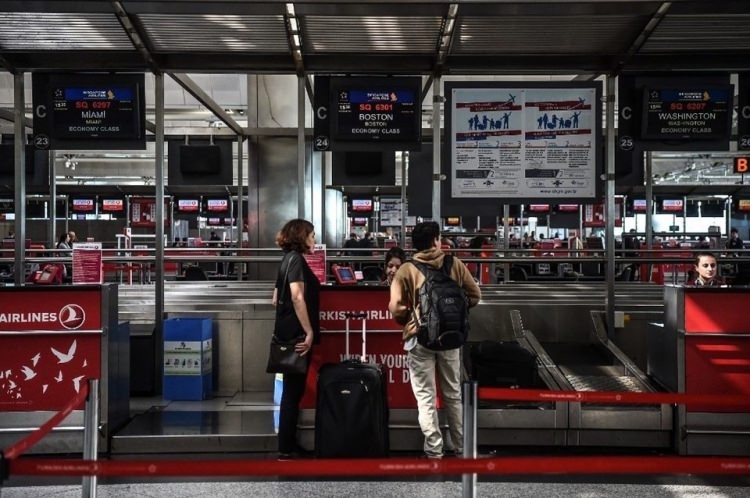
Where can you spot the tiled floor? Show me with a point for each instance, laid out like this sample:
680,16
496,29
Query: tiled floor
286,489
191,421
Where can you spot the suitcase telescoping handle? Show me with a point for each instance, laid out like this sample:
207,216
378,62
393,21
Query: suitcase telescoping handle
361,315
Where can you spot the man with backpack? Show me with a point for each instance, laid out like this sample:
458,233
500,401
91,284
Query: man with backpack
430,297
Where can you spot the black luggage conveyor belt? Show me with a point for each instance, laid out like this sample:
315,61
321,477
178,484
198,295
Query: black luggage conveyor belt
594,363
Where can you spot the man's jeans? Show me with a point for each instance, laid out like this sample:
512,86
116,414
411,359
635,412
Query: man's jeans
422,364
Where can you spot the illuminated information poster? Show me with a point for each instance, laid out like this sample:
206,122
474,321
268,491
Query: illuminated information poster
391,212
523,142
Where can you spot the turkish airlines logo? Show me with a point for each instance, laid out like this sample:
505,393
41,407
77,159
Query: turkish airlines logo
72,316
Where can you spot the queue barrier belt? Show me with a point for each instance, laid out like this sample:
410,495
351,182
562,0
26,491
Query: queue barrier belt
612,397
389,467
400,466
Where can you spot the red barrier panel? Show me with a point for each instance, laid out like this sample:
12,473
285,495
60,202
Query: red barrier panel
391,467
610,397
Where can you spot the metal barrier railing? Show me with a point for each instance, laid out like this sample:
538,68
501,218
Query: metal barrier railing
661,265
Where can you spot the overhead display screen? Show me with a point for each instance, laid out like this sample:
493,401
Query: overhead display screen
83,204
89,111
671,205
84,112
539,208
361,205
217,205
687,113
113,205
188,205
376,110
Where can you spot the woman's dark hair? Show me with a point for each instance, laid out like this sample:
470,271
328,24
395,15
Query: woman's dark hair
702,254
293,235
395,252
63,238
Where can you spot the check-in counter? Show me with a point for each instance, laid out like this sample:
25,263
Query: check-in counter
383,346
52,340
703,347
535,423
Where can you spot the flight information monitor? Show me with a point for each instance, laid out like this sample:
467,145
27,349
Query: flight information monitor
89,111
361,206
188,205
82,204
687,113
217,205
376,110
95,111
115,205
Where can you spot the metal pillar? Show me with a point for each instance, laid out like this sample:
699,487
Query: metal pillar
19,156
649,209
91,436
159,239
301,147
240,217
52,227
610,229
404,210
437,100
469,481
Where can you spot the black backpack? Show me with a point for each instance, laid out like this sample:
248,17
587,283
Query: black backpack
443,321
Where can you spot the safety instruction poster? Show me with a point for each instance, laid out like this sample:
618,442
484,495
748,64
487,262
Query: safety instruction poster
523,142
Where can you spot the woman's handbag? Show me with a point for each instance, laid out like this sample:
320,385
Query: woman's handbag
282,358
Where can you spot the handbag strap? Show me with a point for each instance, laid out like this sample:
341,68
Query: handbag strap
285,283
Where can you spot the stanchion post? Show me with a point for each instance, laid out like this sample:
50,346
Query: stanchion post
90,436
3,469
469,481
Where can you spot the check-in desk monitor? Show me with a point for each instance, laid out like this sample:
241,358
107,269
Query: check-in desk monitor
344,275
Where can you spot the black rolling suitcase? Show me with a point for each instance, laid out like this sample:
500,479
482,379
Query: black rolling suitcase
351,411
503,364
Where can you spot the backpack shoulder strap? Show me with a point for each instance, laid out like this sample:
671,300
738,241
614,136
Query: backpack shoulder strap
447,264
423,268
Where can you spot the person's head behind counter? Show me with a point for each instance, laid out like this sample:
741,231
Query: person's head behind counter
706,272
394,258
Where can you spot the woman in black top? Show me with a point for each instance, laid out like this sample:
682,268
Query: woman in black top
297,291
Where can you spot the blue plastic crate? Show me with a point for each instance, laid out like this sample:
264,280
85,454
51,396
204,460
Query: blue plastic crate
188,347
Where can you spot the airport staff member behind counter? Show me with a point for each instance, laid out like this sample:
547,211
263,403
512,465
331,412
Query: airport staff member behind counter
394,258
706,272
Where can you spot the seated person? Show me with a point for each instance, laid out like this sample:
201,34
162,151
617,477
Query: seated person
394,258
705,272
